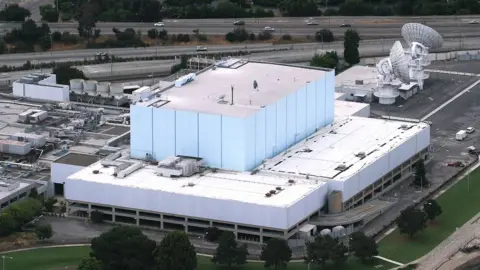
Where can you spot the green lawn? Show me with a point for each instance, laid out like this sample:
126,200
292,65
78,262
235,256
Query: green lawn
57,258
459,204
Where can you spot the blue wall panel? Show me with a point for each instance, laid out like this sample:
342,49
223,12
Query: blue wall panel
163,133
233,143
250,145
186,130
291,118
281,125
321,108
141,131
301,113
311,108
330,97
271,130
210,139
260,135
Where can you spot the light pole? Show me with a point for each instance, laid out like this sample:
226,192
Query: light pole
308,265
3,261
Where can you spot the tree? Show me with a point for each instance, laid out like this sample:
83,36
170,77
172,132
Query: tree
212,234
49,13
124,248
90,264
33,193
56,36
420,179
298,8
65,73
7,224
276,253
411,221
43,232
326,248
49,203
325,60
175,252
324,35
364,247
46,43
87,20
228,251
432,209
14,13
351,44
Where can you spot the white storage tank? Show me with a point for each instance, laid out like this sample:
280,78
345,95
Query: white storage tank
15,147
76,85
103,88
116,89
90,86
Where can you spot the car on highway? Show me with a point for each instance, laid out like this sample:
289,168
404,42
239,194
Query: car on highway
474,22
470,130
202,48
312,23
239,23
159,24
346,25
269,29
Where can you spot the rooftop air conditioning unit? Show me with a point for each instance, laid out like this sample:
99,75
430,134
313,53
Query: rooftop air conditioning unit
358,82
341,167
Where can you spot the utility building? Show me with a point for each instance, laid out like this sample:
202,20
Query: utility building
235,114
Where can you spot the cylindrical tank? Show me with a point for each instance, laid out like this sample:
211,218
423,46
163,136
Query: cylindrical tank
335,204
116,89
15,147
90,86
103,88
325,232
338,228
76,85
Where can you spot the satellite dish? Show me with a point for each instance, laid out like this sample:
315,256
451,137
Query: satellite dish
399,62
417,32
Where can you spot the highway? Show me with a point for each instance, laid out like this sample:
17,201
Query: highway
172,51
368,27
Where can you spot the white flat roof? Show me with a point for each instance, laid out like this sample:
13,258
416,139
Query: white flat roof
6,193
320,154
345,108
203,94
236,186
357,73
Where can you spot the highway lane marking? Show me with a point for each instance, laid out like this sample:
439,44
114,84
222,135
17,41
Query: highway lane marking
450,100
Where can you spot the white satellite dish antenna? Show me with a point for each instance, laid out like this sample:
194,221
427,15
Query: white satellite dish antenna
420,39
392,72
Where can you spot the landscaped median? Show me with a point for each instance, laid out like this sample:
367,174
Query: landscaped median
57,258
459,204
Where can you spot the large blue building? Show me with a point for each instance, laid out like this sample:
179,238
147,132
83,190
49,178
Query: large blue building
234,115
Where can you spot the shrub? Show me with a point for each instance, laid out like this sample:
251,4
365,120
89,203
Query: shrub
286,37
264,35
56,36
230,37
324,35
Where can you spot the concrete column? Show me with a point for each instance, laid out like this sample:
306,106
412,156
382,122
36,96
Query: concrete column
161,221
113,214
137,217
261,235
236,232
186,225
89,210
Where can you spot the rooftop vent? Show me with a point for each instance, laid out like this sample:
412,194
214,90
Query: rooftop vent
359,82
190,184
341,167
95,171
278,188
268,194
405,127
360,155
307,150
273,191
291,181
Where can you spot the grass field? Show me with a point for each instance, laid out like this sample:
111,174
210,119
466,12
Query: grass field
59,258
459,204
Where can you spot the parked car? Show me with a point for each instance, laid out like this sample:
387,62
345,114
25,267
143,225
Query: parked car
312,23
159,24
474,22
239,23
470,130
346,25
202,49
269,29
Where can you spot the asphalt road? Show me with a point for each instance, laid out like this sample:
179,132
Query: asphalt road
368,27
295,53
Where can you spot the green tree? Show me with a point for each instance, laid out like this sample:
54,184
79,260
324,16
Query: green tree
324,35
212,234
65,73
276,253
90,264
56,36
14,13
175,252
298,8
33,193
411,221
320,249
87,20
364,247
7,224
325,60
46,43
351,44
124,248
420,179
43,232
49,203
228,251
432,209
49,13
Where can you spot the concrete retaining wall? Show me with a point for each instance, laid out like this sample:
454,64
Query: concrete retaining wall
434,57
